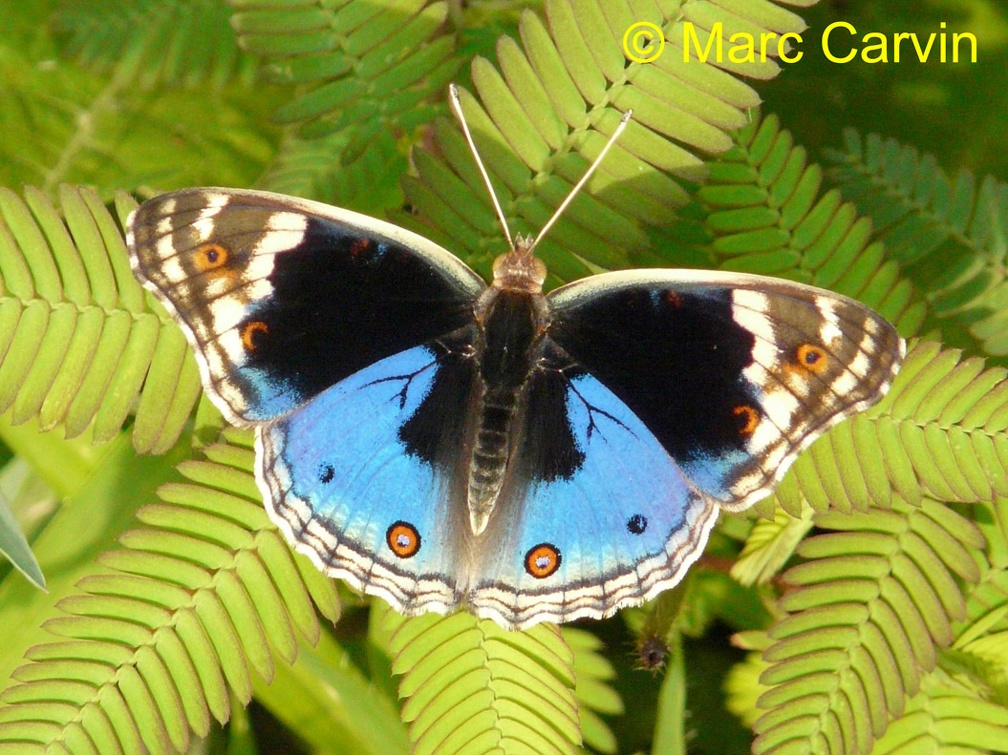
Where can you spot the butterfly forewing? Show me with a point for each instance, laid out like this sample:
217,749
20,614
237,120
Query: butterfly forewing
734,374
281,298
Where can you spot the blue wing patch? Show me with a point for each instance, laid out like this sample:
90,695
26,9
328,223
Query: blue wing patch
622,525
735,374
281,298
367,502
436,442
341,483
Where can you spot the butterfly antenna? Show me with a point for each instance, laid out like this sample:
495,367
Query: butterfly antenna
624,120
456,106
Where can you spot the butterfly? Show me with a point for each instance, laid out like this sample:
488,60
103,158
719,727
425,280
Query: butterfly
440,442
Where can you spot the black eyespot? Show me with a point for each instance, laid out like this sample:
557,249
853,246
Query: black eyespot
637,524
326,473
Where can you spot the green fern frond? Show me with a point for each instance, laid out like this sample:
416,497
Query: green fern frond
991,596
545,115
370,66
63,124
981,647
473,687
153,42
950,420
592,673
770,545
767,216
160,643
949,235
368,183
742,684
870,607
79,339
154,644
942,432
986,657
946,717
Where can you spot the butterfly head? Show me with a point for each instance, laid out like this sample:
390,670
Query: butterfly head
520,269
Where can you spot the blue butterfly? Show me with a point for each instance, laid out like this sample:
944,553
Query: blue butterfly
439,442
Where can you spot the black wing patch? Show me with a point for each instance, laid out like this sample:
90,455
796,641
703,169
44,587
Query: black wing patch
281,298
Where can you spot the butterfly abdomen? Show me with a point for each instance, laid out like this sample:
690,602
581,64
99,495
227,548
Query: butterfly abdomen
512,323
490,454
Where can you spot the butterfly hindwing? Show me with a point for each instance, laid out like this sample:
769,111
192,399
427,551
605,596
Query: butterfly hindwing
734,374
363,495
604,517
282,297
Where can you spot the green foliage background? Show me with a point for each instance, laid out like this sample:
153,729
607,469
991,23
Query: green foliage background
861,608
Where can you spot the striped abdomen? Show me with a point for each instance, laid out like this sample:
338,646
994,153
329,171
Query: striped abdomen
512,325
490,453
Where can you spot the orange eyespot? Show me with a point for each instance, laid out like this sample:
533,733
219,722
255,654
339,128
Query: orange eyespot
357,246
252,334
403,539
750,419
811,357
542,560
673,299
211,257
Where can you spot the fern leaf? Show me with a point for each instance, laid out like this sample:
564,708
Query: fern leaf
332,705
368,183
153,42
66,125
946,717
766,216
73,536
371,66
949,234
742,683
980,648
544,117
986,657
592,672
473,687
940,433
770,544
80,340
869,608
204,591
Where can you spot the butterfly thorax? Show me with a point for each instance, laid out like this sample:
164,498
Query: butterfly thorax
512,318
